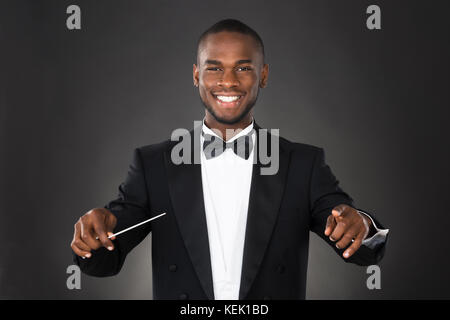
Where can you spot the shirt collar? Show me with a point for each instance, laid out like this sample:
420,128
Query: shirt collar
244,131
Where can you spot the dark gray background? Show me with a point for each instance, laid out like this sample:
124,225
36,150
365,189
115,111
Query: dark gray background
74,104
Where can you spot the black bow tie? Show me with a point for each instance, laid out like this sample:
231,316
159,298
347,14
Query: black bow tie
214,146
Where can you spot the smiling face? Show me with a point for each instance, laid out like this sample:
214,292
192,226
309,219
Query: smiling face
229,72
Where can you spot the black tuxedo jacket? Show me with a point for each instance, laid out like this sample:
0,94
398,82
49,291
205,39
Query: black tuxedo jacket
283,208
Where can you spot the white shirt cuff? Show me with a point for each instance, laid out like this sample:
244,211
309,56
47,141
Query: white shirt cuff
378,238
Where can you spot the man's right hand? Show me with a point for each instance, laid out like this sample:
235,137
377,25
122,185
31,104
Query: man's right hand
96,223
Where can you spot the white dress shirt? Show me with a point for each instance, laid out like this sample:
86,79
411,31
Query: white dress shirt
226,181
226,189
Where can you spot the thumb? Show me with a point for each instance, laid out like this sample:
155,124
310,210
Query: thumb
111,222
109,233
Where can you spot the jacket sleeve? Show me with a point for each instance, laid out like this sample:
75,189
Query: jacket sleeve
325,194
131,207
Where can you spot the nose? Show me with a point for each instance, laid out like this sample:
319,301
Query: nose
228,80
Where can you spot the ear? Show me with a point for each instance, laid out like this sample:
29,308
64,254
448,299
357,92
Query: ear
264,76
195,74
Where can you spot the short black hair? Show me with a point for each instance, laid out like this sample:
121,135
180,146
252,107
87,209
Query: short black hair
231,25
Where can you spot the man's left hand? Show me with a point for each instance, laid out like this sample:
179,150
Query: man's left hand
344,225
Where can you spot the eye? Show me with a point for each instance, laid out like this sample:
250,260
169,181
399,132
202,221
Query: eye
213,69
244,68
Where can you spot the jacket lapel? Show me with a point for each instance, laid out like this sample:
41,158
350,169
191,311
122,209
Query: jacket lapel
186,193
266,193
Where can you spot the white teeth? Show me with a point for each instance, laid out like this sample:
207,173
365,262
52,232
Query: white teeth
228,98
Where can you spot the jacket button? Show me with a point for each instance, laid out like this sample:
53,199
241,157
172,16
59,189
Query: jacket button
183,296
281,269
173,268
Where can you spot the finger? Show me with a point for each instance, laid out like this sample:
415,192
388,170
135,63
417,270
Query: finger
78,246
347,238
103,236
331,224
110,234
341,228
80,252
339,210
354,247
88,237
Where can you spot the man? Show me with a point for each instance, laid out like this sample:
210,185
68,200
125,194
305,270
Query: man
229,231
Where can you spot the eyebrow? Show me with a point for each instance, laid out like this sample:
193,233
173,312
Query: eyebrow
216,62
